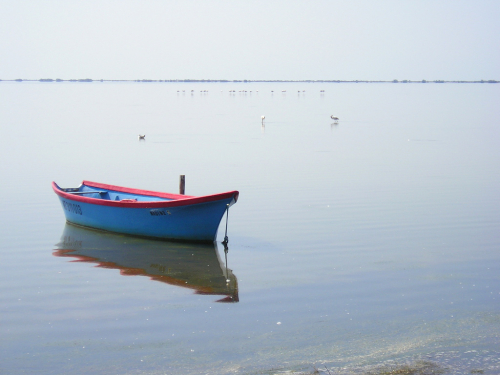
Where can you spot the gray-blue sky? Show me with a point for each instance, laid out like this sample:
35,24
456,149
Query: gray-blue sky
227,39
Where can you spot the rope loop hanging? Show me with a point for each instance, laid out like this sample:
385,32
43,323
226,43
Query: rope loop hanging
226,239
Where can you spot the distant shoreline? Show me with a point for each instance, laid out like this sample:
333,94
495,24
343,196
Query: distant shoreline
89,80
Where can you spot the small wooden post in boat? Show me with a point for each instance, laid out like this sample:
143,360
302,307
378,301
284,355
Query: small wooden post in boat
182,184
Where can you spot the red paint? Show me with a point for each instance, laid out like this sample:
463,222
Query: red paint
177,199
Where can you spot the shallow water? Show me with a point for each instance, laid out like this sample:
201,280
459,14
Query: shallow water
370,241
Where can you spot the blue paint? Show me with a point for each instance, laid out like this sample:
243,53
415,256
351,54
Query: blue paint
177,220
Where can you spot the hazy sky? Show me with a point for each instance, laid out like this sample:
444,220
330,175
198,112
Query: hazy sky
230,39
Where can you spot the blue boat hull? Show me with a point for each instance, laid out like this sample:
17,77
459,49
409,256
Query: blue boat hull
172,219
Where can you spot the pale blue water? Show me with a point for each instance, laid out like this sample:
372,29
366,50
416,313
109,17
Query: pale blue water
371,241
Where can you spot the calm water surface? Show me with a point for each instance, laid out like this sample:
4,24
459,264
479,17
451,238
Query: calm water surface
371,241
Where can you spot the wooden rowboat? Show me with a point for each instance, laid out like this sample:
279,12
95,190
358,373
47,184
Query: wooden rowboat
145,213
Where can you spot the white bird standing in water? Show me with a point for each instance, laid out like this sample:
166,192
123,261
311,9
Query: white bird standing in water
334,118
262,118
142,136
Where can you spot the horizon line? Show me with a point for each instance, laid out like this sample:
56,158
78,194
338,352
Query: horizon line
86,80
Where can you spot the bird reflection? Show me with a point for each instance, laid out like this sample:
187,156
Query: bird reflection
194,266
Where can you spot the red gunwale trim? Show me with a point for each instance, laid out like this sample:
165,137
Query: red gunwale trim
177,200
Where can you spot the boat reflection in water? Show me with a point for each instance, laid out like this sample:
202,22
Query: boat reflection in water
195,266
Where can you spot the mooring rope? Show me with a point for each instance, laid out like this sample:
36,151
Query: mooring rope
226,240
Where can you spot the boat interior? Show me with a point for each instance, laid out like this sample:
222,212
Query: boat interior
112,195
